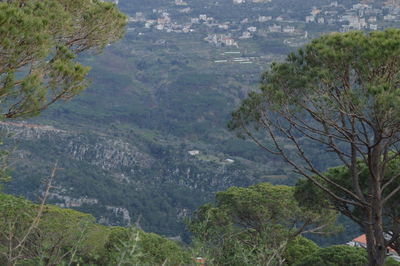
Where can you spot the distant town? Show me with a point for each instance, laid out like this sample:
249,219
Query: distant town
360,16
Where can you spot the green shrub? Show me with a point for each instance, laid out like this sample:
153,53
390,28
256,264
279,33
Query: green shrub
298,249
336,256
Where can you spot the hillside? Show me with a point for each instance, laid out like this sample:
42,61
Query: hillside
148,138
65,236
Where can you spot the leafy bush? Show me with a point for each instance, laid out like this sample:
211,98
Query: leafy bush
66,236
336,256
298,249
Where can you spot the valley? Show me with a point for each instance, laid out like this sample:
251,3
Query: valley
147,142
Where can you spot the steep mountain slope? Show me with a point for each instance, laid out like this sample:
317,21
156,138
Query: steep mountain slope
120,179
147,141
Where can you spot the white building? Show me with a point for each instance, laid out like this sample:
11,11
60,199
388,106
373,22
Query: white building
149,23
195,20
275,28
203,17
288,29
264,18
361,6
245,35
389,17
321,20
180,3
373,26
229,42
310,19
194,152
252,29
223,26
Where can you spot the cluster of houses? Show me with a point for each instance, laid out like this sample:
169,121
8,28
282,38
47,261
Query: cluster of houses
360,16
197,152
221,40
254,1
164,22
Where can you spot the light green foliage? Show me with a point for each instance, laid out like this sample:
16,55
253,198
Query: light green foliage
4,164
16,216
55,239
128,249
253,226
391,262
39,41
65,236
336,256
299,248
62,234
121,246
158,250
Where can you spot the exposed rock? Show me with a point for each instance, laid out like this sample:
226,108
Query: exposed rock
119,211
70,202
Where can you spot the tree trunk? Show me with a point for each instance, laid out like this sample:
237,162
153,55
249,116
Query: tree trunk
376,245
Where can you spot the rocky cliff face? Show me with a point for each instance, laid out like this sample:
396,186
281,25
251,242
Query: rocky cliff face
98,150
117,181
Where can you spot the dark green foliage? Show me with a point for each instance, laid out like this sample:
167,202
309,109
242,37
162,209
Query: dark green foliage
312,197
349,230
39,42
250,226
336,256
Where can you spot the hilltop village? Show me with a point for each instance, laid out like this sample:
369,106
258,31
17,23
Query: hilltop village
220,31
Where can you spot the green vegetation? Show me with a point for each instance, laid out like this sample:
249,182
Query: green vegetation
64,236
297,249
39,43
339,92
155,96
313,197
336,256
137,97
259,225
339,255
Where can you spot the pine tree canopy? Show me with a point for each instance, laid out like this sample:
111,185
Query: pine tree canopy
39,43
